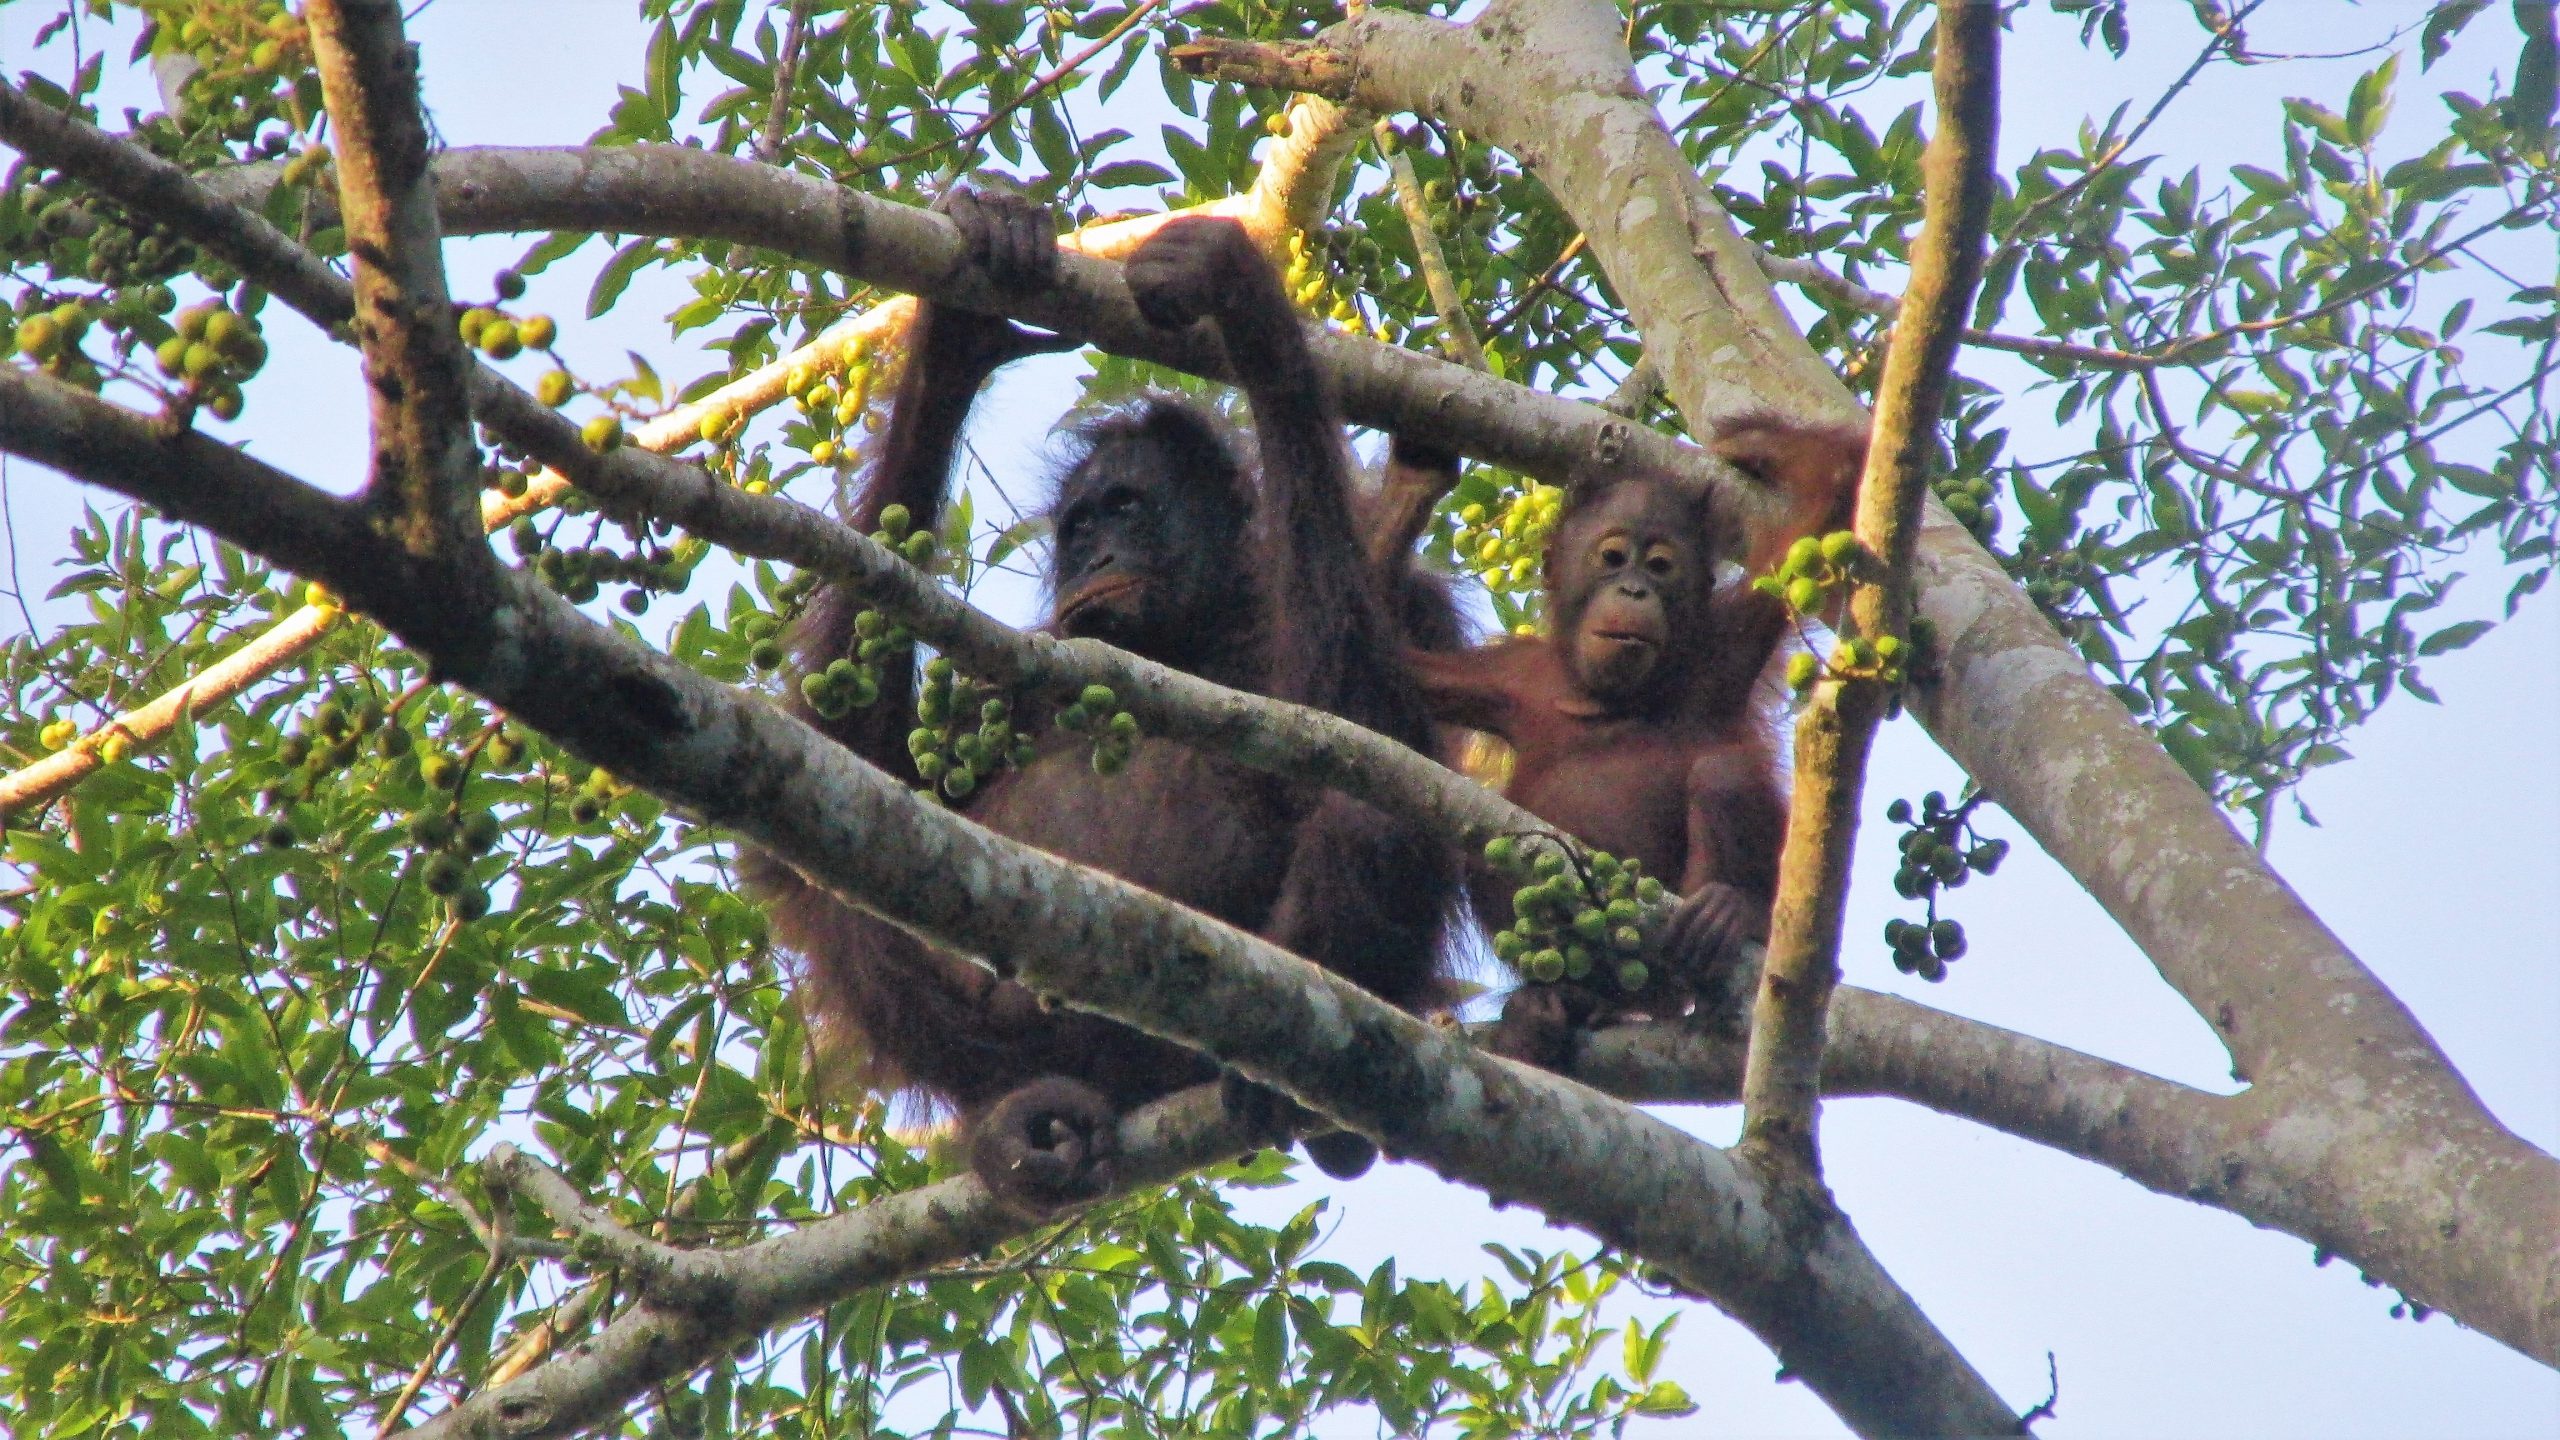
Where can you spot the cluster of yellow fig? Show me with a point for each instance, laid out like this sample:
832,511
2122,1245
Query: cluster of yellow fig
109,745
834,395
237,42
1506,543
51,337
501,336
1310,285
215,349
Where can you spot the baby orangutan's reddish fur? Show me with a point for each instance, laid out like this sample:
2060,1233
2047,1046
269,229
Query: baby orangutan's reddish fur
1640,720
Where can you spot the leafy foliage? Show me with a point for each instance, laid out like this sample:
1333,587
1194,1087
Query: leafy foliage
264,1004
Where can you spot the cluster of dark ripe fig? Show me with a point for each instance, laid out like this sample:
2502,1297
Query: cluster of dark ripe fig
327,743
1939,852
1574,914
451,838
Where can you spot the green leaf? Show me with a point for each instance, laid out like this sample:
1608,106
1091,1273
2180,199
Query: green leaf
1270,1340
616,275
664,67
2369,102
2455,637
1120,174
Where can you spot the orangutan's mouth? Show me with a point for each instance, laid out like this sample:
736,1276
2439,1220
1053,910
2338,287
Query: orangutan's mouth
1101,592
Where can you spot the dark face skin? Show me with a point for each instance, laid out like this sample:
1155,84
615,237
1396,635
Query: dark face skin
1142,560
1629,573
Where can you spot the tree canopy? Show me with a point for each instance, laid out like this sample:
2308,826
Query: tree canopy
384,1043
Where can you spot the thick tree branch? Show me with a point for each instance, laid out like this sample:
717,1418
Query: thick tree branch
426,471
575,1312
1818,1299
2155,1132
684,193
1782,1079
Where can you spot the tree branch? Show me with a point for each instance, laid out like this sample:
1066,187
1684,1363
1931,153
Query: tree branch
426,471
2155,1132
1782,1078
730,1295
1457,337
683,193
153,720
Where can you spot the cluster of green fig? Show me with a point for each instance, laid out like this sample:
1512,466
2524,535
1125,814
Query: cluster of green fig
1813,570
852,681
897,532
595,793
349,723
1349,262
1505,544
1939,852
1968,498
1808,576
243,49
964,732
1471,170
1096,713
1573,914
763,634
502,335
512,476
73,235
833,395
763,630
2053,579
51,337
116,251
215,350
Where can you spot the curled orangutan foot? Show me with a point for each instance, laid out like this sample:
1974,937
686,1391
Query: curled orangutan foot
1047,1146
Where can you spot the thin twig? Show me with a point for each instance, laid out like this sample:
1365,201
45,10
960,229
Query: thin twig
1457,337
